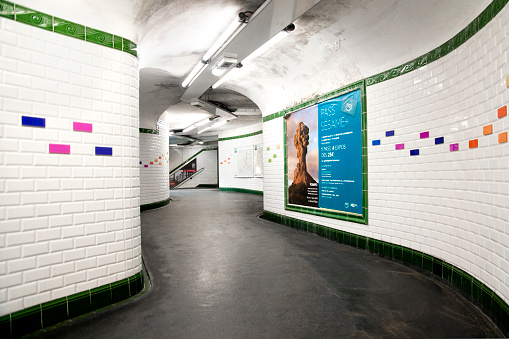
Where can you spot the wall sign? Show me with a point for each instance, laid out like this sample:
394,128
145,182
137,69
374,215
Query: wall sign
326,157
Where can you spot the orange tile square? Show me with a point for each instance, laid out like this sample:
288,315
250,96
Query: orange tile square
160,163
502,112
160,158
502,137
487,129
220,163
151,163
473,143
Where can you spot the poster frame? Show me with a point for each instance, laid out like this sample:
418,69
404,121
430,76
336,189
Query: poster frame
323,212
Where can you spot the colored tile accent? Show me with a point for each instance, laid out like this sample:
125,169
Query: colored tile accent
81,126
100,297
473,143
439,140
148,131
26,321
389,133
414,152
375,142
117,42
240,190
153,205
400,146
502,137
33,18
151,162
242,136
68,28
54,312
7,10
129,47
425,135
99,37
274,155
268,148
58,148
487,129
270,160
145,165
33,121
454,147
103,150
502,111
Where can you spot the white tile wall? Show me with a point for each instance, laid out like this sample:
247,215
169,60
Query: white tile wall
226,150
452,205
55,209
154,179
206,160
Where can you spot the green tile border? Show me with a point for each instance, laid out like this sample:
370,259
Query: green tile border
148,131
447,47
241,136
48,22
48,314
207,186
465,283
329,213
192,157
154,205
240,190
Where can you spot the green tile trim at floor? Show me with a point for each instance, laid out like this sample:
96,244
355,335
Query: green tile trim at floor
241,136
240,190
447,47
469,286
148,131
192,157
48,22
154,205
42,316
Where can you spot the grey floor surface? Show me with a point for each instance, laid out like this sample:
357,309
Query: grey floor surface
218,271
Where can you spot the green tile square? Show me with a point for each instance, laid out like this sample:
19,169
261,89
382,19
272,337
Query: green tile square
417,259
486,16
407,255
68,28
456,278
274,155
467,284
26,321
421,61
5,326
362,242
427,262
30,17
477,291
447,271
498,5
459,39
437,267
347,238
435,54
99,37
371,245
117,42
397,252
7,9
471,29
78,304
129,47
387,250
54,312
100,297
496,308
340,237
486,299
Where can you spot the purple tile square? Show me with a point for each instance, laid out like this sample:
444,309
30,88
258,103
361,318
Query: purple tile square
454,147
424,135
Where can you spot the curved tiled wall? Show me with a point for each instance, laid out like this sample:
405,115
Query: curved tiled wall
437,165
69,217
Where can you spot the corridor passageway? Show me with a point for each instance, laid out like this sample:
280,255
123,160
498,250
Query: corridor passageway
219,271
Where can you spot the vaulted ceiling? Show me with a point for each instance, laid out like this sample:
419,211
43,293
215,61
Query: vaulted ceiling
334,43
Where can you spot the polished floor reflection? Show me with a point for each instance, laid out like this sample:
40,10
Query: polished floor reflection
219,271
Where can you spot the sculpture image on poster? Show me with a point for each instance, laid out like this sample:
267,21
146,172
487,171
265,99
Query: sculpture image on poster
324,155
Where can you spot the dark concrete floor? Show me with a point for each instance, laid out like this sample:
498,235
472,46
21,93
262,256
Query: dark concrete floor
218,271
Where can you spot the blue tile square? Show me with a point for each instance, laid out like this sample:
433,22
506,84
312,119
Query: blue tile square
32,121
414,152
389,133
103,150
375,142
439,141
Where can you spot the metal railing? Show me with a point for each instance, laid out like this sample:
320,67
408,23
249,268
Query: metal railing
181,176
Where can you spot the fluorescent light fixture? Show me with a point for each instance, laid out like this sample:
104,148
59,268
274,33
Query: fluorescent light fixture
269,44
205,129
219,123
222,39
187,129
201,142
225,77
173,145
194,73
218,71
171,133
201,123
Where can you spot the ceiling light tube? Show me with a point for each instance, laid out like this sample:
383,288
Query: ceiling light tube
222,39
266,46
224,78
203,130
203,122
219,123
194,73
187,129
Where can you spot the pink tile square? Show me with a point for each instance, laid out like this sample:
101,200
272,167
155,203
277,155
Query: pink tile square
400,146
82,127
454,147
61,149
424,135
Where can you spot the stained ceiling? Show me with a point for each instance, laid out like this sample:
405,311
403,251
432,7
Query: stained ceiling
334,43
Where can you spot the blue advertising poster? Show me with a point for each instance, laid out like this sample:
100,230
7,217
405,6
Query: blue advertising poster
340,153
324,155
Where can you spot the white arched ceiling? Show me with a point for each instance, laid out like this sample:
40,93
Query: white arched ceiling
334,44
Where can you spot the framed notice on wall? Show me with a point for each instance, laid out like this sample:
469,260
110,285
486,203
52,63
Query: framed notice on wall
245,162
258,160
326,156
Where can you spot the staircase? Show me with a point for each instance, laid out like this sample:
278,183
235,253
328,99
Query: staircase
182,176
